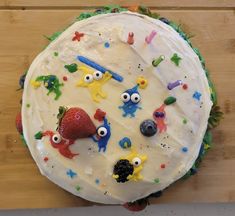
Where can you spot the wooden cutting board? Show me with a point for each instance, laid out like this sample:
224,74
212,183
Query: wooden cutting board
22,26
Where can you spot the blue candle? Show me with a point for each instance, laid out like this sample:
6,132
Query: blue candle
99,68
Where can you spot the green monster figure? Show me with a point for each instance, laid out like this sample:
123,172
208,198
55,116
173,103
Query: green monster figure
51,82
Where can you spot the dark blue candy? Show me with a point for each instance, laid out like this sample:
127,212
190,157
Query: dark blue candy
148,128
21,81
165,20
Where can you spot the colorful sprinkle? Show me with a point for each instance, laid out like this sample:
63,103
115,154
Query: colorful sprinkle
163,166
71,173
65,78
157,180
78,188
106,45
176,59
99,68
45,159
185,86
169,100
38,135
77,36
130,39
27,105
157,61
125,143
71,67
185,121
197,95
173,85
184,149
99,115
56,54
35,84
142,82
97,181
150,37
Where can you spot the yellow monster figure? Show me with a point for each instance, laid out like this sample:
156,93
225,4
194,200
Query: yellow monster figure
136,161
94,80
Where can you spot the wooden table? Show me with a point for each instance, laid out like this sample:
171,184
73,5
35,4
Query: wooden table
22,26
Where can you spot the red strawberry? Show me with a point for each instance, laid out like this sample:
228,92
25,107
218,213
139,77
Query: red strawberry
75,123
137,205
19,126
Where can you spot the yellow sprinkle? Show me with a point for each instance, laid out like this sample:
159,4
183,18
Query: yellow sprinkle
35,84
206,146
142,82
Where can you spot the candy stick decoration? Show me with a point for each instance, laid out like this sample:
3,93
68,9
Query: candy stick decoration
170,86
150,37
157,61
99,67
130,39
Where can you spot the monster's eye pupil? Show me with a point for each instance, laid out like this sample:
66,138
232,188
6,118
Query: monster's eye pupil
87,77
55,138
125,96
102,132
136,98
136,163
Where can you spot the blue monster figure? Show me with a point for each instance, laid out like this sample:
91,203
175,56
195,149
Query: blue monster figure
130,99
103,133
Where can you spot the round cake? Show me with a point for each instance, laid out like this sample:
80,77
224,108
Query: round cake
116,107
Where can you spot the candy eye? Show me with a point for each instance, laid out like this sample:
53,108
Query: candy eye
136,161
135,98
102,131
97,75
88,78
159,114
56,138
125,97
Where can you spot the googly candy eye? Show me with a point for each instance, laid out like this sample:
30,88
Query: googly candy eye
125,97
88,78
136,161
56,138
102,131
135,98
97,75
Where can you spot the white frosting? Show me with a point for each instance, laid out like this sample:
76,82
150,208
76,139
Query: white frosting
123,59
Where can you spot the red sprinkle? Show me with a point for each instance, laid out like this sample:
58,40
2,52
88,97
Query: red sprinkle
99,115
77,36
130,39
163,166
46,159
185,86
65,78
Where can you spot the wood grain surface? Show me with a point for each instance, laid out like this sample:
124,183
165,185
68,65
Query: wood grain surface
22,26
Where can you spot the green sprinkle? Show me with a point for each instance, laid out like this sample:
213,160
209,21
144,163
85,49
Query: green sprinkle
169,100
157,180
23,140
157,61
176,59
72,67
78,188
38,135
56,53
185,121
27,105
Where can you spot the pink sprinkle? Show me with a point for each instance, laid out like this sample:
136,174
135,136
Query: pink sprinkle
130,39
163,166
65,78
149,38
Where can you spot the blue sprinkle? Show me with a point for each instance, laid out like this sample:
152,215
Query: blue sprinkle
71,173
97,181
184,149
125,143
197,95
106,45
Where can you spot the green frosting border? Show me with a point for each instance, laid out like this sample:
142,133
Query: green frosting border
215,114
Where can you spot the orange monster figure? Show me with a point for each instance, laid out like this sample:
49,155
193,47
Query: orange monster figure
159,116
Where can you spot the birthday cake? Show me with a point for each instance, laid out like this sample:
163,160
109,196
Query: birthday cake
116,108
